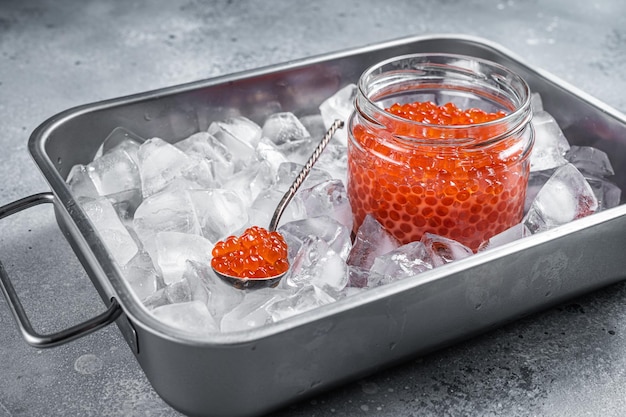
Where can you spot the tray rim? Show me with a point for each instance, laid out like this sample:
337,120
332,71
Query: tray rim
110,276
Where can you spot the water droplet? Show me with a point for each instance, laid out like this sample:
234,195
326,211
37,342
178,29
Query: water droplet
369,388
88,364
478,306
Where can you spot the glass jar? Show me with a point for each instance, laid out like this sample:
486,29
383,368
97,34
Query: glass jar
465,182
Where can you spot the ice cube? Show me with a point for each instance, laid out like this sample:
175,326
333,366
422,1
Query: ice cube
166,211
299,151
328,198
284,127
239,134
590,161
159,164
339,106
442,250
328,229
201,173
607,193
268,152
178,292
594,164
157,299
536,180
550,143
114,234
314,124
140,274
317,264
114,175
287,173
174,249
206,146
305,299
121,138
372,240
565,197
334,160
536,103
115,171
511,234
404,262
80,183
358,277
219,212
192,316
251,181
265,204
251,312
221,297
125,204
190,288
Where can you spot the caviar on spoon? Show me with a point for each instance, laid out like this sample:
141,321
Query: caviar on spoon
257,254
258,258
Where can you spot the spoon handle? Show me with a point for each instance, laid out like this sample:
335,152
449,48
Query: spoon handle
337,124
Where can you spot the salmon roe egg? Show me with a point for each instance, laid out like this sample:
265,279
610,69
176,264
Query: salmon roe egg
257,253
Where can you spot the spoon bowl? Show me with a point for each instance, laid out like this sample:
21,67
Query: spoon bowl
250,283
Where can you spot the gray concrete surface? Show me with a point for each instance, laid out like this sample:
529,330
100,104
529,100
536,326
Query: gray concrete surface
568,361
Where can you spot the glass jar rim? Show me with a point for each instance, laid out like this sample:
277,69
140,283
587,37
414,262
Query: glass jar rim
427,59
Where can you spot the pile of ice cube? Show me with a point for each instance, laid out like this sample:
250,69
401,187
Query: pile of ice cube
160,208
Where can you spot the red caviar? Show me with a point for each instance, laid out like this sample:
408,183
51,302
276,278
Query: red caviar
413,178
257,253
446,115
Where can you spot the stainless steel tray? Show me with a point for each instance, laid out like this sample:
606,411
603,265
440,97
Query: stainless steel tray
253,372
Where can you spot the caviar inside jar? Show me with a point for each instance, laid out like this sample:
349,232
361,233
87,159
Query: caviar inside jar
446,115
423,177
256,254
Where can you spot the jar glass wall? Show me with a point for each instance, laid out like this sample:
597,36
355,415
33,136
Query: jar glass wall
464,181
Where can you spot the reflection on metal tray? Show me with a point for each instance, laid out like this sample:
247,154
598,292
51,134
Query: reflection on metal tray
253,372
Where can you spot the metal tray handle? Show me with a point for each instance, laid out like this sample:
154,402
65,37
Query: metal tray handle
30,335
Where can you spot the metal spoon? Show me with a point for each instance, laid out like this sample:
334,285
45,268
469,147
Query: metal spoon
241,283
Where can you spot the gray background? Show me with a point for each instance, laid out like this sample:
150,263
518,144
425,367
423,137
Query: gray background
567,361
